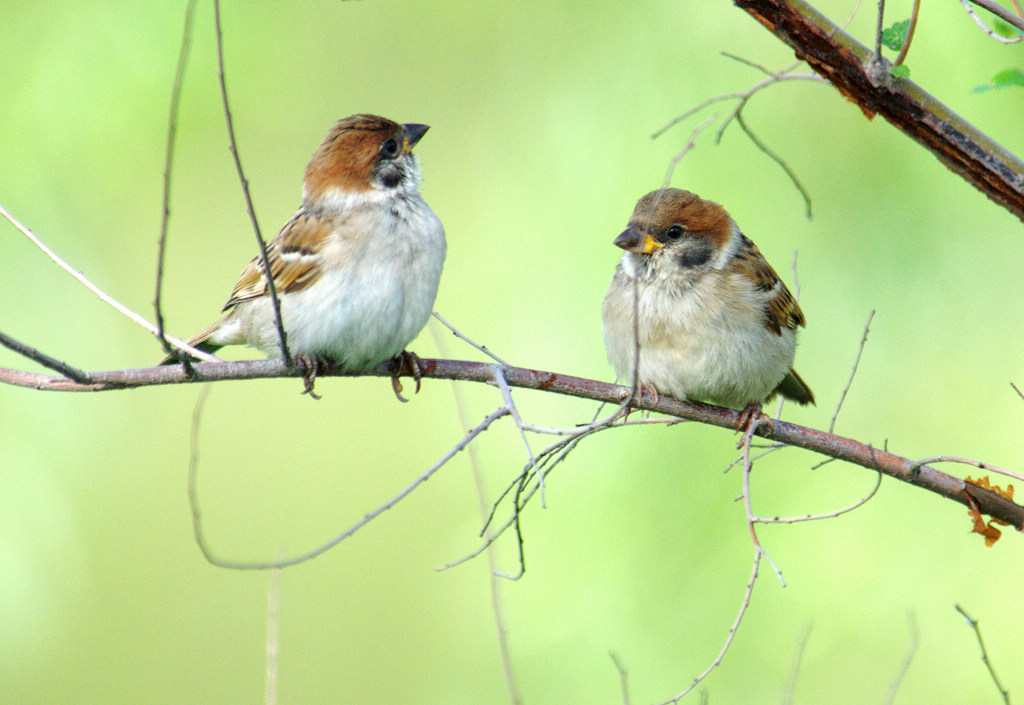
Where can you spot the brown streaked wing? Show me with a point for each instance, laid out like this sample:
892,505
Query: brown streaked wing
293,261
781,310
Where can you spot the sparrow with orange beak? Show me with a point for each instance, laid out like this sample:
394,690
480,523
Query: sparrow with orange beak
357,267
715,322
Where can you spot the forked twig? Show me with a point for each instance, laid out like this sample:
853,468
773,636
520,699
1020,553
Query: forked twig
45,360
742,98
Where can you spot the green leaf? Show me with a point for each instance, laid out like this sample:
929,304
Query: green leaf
901,71
1006,77
1005,29
894,35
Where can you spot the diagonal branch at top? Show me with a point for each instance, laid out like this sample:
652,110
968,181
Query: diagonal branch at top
863,77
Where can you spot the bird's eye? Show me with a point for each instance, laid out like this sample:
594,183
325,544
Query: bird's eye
390,148
675,232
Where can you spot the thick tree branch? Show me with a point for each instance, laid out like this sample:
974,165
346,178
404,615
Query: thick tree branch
828,444
864,78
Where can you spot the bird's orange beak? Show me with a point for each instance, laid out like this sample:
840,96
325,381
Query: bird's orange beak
413,132
633,239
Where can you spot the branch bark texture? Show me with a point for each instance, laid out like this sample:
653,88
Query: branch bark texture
864,78
828,444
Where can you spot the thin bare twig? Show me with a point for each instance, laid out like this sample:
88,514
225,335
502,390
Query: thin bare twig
754,65
965,461
748,503
905,666
104,297
826,515
853,372
905,49
690,144
45,360
736,114
303,557
461,336
273,635
264,258
744,604
878,30
506,395
739,95
849,17
1001,12
778,160
984,654
798,659
165,214
494,584
623,676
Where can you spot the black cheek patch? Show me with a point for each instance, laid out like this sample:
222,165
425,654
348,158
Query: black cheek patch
391,178
695,254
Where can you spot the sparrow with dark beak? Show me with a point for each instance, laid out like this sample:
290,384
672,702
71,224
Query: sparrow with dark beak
357,267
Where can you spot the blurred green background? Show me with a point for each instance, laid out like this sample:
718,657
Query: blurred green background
541,117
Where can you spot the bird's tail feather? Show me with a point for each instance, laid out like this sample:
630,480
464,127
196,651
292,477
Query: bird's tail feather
793,387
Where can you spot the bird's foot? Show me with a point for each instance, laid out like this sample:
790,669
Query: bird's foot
407,363
311,366
752,418
638,396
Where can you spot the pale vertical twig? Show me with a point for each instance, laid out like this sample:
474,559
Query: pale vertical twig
273,635
623,676
497,606
905,666
801,646
165,214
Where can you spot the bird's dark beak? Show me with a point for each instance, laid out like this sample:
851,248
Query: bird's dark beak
413,133
633,239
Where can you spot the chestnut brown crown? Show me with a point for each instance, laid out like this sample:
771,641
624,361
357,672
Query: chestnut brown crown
364,152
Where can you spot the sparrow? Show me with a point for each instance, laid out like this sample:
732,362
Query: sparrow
356,269
715,322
